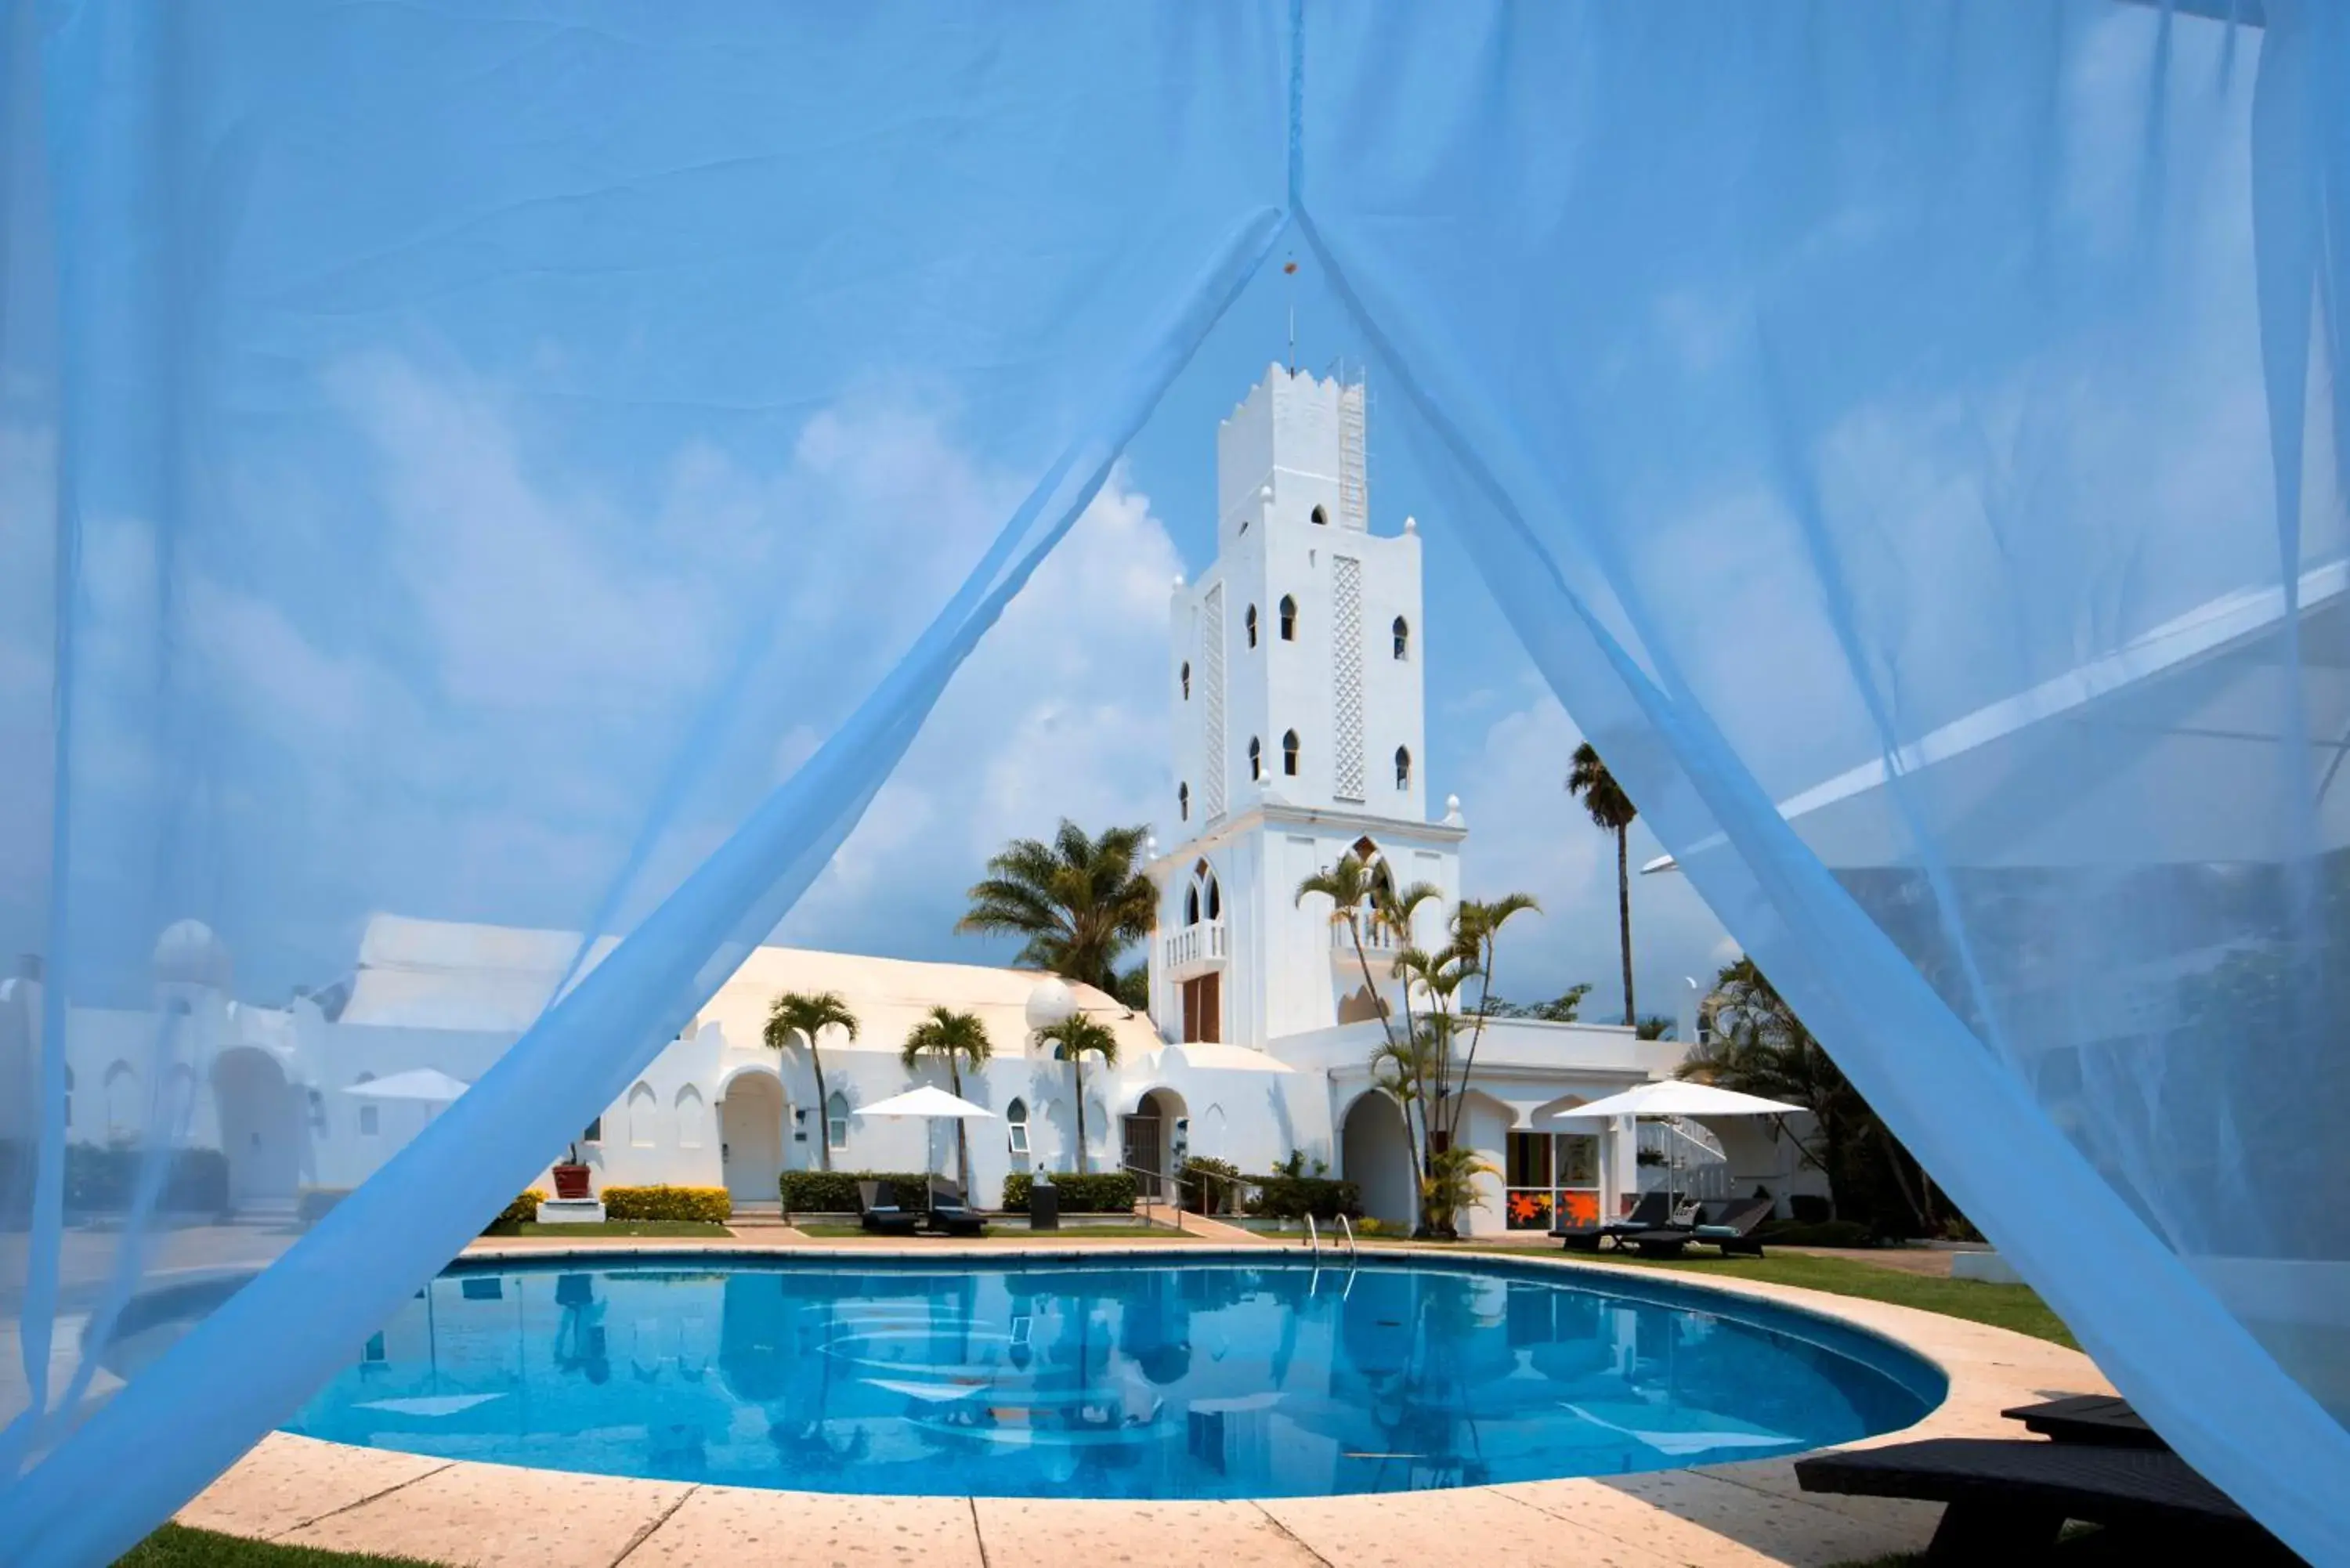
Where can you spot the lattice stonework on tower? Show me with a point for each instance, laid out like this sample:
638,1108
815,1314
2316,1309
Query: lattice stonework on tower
1212,661
1346,668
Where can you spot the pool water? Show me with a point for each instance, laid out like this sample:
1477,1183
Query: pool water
1103,1378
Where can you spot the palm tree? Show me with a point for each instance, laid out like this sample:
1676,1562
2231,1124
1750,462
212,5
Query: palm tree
1350,886
1612,810
1079,901
797,1016
1071,1038
961,1039
1475,925
1438,977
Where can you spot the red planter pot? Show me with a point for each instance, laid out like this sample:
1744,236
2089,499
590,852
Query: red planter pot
571,1182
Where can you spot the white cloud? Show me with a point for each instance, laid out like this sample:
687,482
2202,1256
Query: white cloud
1526,834
1060,711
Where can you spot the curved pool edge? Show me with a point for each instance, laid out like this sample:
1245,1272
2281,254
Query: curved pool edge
309,1492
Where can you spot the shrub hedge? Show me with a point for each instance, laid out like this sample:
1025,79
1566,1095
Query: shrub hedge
708,1205
524,1207
104,1179
1822,1233
1203,1193
834,1191
1295,1196
1107,1192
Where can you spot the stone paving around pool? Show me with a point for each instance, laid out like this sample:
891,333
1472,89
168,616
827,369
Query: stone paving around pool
303,1491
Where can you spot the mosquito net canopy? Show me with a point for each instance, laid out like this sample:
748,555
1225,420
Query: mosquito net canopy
535,466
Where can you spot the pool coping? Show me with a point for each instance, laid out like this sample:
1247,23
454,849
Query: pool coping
307,1492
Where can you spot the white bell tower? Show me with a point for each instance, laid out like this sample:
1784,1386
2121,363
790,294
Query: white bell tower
1299,725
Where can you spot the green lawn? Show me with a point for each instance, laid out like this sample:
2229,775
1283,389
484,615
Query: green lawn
176,1546
2002,1306
612,1228
1046,1239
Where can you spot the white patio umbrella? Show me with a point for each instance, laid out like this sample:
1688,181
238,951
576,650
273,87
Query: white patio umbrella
427,1086
931,1103
1673,1097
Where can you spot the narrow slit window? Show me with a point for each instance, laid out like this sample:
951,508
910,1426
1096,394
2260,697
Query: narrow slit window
1248,621
1289,754
1256,758
1403,767
1187,680
1402,637
1183,802
1288,619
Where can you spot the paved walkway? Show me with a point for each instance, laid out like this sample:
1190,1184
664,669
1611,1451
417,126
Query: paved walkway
301,1491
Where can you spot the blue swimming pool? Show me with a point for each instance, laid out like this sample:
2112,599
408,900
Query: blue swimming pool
1208,1378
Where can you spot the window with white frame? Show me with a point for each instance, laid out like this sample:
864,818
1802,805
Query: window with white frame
1016,1126
836,1121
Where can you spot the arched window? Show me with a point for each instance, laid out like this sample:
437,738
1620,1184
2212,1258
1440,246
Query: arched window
1289,754
1256,758
1321,518
121,1100
1402,637
1187,680
690,1118
1288,619
1016,1126
371,1116
836,1121
1183,800
1249,621
1403,767
1204,899
641,1113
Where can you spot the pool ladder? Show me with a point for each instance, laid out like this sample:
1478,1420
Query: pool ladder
1313,1239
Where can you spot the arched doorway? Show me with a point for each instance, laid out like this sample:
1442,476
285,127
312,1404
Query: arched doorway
1375,1154
260,1126
751,1137
1157,1139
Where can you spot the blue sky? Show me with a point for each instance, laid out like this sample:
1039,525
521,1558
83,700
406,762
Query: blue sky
1089,737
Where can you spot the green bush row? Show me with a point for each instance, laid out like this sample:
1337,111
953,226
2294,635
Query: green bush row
710,1205
1210,1186
834,1191
1821,1233
1109,1192
524,1207
1295,1196
103,1179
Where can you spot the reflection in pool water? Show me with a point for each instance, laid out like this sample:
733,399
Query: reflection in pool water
1017,1379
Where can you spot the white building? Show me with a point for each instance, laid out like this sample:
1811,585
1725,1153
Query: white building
1298,737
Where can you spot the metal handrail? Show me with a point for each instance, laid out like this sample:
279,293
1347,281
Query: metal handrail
1349,1225
1314,1240
1175,1181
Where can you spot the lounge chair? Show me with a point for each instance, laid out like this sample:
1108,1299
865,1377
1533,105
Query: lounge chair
2103,1420
951,1214
1730,1226
877,1210
1654,1209
2007,1498
1660,1242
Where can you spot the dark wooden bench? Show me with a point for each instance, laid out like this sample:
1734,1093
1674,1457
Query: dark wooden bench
2007,1498
2105,1420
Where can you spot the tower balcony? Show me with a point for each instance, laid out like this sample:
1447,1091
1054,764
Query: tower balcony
1194,949
1381,942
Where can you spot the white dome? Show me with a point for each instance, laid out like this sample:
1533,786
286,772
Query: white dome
187,954
1050,1003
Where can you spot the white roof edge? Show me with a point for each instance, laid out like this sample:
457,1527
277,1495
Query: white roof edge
2206,628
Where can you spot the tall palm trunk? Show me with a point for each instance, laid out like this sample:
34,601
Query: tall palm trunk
823,1111
1077,1066
963,1137
1623,920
